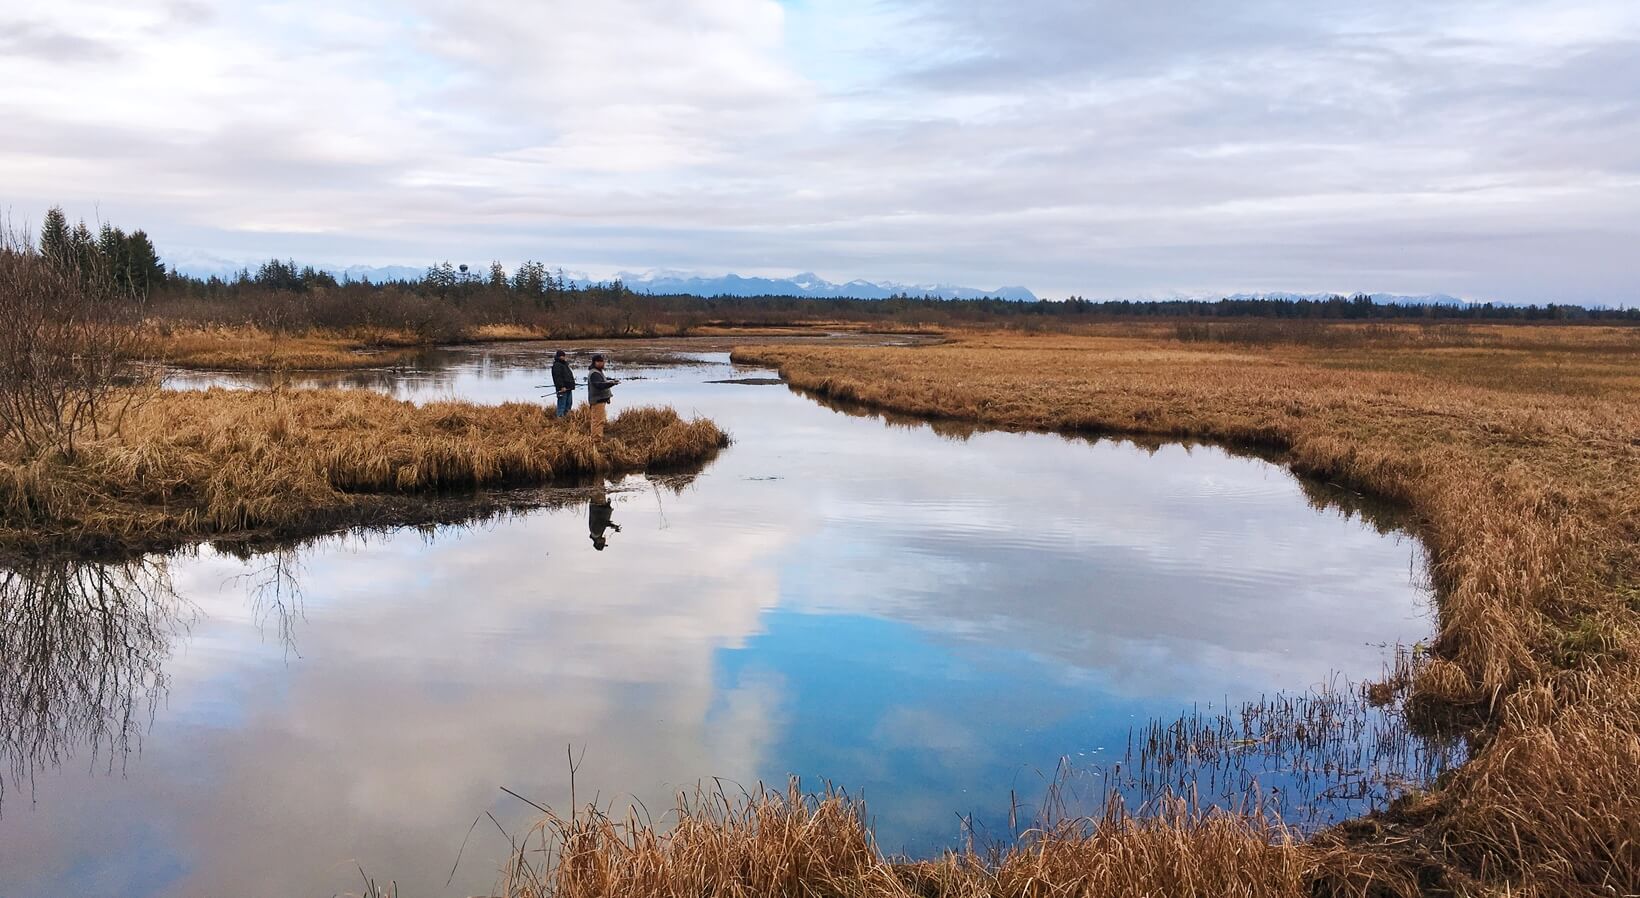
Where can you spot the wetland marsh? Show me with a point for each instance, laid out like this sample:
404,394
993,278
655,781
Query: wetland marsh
933,619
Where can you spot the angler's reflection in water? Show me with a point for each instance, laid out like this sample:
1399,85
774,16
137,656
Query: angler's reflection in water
599,511
81,649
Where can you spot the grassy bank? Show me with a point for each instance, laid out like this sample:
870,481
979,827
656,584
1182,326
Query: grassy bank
255,349
1519,457
188,465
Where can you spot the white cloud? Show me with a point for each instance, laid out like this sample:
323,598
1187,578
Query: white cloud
1482,148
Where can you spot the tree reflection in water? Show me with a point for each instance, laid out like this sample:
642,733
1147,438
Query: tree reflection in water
81,650
275,592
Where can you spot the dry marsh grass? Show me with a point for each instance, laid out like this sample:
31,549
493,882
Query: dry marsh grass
1385,334
763,843
202,464
497,332
254,349
1520,460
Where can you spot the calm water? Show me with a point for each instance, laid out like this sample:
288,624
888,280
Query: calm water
930,620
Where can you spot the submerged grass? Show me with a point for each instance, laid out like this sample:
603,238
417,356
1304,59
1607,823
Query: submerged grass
200,464
1520,461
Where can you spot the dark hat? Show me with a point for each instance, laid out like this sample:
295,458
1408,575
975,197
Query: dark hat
597,357
559,354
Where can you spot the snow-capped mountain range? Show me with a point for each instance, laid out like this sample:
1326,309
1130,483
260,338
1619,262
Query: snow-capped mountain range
806,284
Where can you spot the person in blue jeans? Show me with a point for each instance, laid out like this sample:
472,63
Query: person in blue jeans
563,382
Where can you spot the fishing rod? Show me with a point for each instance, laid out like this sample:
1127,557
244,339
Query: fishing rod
554,387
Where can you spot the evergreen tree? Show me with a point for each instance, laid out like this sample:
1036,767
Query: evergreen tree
54,236
110,241
498,276
440,279
277,275
530,281
82,247
147,272
111,245
312,277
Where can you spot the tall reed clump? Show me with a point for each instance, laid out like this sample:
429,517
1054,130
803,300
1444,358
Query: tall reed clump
766,844
793,844
1521,464
222,462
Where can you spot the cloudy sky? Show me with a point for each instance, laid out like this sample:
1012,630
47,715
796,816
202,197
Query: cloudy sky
1485,148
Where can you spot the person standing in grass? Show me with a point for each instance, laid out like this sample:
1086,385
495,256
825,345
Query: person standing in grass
563,382
598,395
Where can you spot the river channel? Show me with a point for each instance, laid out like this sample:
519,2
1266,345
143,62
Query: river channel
934,619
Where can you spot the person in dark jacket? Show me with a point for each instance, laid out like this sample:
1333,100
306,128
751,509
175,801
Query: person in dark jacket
598,395
599,512
563,382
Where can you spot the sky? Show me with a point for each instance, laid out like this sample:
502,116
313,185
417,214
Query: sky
1488,149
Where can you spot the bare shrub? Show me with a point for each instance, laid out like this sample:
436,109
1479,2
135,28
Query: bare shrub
69,331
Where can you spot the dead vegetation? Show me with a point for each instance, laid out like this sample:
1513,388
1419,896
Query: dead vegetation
1385,334
218,348
203,464
792,844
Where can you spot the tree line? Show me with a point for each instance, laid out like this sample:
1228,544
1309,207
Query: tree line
535,294
532,280
539,287
535,285
129,260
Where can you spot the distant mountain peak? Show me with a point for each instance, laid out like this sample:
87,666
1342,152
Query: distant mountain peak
806,284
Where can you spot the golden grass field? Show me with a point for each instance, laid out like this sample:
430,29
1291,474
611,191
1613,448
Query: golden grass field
197,464
254,349
1517,450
